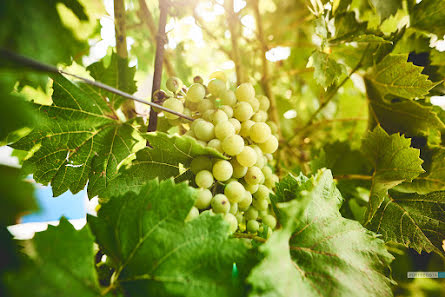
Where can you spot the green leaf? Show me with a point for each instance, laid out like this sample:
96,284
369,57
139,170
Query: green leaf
429,16
394,161
395,76
156,254
62,264
416,221
35,29
347,26
79,138
326,70
318,252
124,80
386,8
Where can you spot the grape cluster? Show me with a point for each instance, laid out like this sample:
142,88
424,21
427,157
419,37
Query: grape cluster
235,124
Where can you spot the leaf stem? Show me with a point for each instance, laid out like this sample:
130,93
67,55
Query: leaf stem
249,236
353,176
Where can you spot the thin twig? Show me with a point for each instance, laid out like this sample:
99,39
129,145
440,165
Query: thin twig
36,65
353,176
232,20
249,236
157,75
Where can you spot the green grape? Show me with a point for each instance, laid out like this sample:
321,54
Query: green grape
254,103
222,170
204,105
196,93
236,124
193,213
233,222
220,204
269,157
204,179
263,213
233,145
251,214
253,176
262,193
208,211
202,142
244,204
223,130
208,115
238,170
239,217
244,92
228,110
270,221
252,226
273,127
243,111
173,84
245,128
261,161
233,208
251,188
227,97
260,204
260,116
264,102
259,132
188,113
219,75
270,145
204,130
175,105
201,163
203,198
216,86
219,116
216,144
247,157
270,182
234,191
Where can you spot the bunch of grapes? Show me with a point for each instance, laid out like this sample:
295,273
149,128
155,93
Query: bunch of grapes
235,124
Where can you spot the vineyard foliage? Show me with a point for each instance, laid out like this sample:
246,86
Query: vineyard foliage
356,99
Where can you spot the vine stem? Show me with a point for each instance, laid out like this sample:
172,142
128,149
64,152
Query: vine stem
249,236
232,22
353,176
161,39
36,65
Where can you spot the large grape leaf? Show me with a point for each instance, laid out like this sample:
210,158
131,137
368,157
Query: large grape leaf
79,138
394,161
318,252
116,74
429,16
394,75
326,70
62,264
35,29
386,8
156,254
416,221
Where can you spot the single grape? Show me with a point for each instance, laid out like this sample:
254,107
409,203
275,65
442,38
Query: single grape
238,170
203,198
267,171
234,191
260,116
173,84
270,145
216,144
263,213
207,212
204,130
219,75
220,204
244,92
222,170
251,214
243,111
233,222
193,213
253,176
269,157
233,145
204,179
247,157
244,204
216,86
270,221
201,163
236,124
219,116
240,218
252,226
259,132
254,103
261,161
251,188
208,115
204,105
262,193
245,128
228,110
270,182
196,93
264,102
233,208
175,105
227,97
260,204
